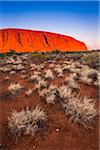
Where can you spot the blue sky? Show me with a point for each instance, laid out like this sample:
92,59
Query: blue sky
78,19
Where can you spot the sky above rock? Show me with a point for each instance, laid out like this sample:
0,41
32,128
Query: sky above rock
79,19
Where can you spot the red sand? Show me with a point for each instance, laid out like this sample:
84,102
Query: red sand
70,136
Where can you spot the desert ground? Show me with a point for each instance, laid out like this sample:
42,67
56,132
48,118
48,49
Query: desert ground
60,91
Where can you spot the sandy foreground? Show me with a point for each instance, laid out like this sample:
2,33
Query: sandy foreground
59,133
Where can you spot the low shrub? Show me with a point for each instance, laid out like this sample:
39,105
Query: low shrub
2,55
11,52
55,51
37,58
92,59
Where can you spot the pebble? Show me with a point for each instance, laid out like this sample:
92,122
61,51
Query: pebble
57,130
34,147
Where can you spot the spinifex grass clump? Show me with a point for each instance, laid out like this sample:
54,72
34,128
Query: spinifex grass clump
65,92
49,74
80,110
70,81
29,92
50,94
26,121
35,78
14,88
41,84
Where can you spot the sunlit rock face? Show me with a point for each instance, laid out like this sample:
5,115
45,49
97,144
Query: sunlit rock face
22,40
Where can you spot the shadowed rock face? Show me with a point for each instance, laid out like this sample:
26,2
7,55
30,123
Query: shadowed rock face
27,41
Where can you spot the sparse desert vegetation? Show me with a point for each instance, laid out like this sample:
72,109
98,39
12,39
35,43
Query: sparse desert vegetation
49,101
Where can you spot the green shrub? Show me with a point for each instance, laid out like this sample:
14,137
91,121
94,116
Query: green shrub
56,51
2,55
11,52
37,58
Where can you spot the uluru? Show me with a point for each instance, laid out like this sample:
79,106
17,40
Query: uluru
22,40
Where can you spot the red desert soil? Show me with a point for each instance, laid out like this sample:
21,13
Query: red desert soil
27,41
69,137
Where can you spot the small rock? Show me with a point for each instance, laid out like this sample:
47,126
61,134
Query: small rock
57,130
34,147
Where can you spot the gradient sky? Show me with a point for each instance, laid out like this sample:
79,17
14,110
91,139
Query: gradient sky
79,19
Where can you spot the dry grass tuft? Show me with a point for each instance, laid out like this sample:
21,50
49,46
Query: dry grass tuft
14,88
25,122
81,110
